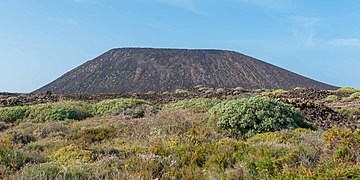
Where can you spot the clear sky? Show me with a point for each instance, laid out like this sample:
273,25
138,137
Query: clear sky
42,39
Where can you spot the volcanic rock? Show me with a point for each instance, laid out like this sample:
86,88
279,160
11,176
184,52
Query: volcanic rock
141,70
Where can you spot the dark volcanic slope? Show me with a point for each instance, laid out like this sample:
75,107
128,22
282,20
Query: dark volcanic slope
143,69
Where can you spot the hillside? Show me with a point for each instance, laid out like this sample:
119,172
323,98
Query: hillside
196,134
144,69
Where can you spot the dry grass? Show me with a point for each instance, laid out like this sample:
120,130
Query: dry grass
171,144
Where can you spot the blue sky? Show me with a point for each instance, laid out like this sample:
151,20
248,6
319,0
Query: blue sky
42,39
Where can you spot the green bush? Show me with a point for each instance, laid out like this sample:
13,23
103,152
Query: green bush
11,114
349,112
347,90
46,146
47,112
60,111
71,154
331,98
127,106
260,90
355,95
196,105
279,91
250,116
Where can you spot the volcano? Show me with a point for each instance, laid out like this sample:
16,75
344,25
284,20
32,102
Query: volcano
130,70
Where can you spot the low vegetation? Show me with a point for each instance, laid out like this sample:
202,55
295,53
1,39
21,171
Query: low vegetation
74,110
249,138
355,95
278,91
60,111
331,98
349,112
132,107
348,90
11,114
196,105
250,116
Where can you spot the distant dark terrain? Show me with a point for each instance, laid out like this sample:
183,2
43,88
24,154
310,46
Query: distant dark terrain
143,69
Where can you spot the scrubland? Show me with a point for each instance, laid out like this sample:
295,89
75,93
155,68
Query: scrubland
200,138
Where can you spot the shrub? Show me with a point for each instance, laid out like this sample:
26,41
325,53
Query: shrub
349,112
202,89
266,92
250,116
196,105
209,91
236,92
238,88
165,93
71,154
13,159
3,126
331,98
150,92
299,88
344,143
279,91
261,90
134,107
46,146
11,114
60,111
295,136
220,90
23,138
180,91
170,122
347,90
227,152
52,129
95,134
355,95
42,171
110,168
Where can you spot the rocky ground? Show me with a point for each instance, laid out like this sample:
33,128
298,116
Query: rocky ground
313,103
146,69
